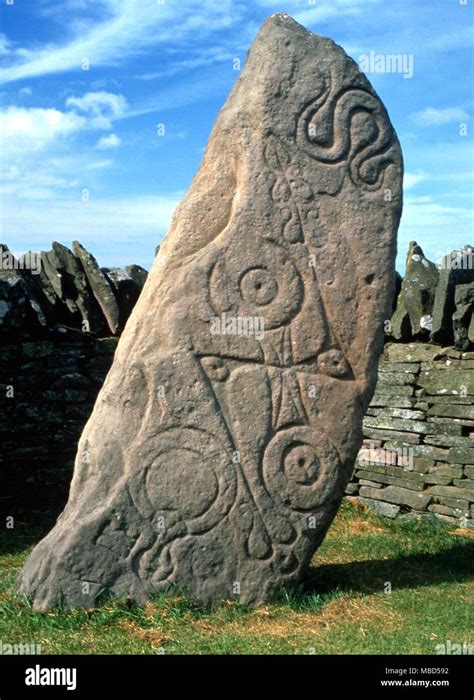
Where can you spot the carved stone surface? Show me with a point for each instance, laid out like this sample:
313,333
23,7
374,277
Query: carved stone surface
222,441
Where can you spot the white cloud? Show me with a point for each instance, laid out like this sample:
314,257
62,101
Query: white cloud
447,41
207,57
107,142
21,183
5,45
25,92
39,151
101,107
183,93
432,213
96,103
438,117
25,129
410,180
32,129
99,164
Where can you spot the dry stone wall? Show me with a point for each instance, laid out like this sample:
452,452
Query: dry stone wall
49,386
60,315
418,450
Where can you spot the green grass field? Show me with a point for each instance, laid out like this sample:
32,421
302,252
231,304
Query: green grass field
343,607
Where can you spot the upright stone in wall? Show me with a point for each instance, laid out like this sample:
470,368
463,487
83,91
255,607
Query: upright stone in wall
127,284
69,281
463,317
20,305
223,439
456,269
413,314
100,286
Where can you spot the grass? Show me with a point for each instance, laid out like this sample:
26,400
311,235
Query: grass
342,607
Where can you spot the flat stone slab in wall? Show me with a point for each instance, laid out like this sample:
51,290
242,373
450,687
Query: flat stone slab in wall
225,434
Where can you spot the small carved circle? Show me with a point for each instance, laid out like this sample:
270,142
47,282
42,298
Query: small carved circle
300,467
257,278
300,464
258,287
333,363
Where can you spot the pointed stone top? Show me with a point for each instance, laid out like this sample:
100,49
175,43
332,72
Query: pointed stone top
282,20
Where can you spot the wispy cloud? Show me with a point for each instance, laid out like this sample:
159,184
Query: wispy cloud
449,40
101,107
126,29
432,213
99,165
118,231
5,45
183,93
205,56
438,117
109,141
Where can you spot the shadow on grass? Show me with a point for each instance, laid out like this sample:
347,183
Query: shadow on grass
28,530
454,564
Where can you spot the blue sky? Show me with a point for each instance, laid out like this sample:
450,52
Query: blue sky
104,154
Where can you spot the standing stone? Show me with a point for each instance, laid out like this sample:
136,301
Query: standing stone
127,283
30,271
69,281
49,291
463,323
456,268
100,286
223,439
19,308
413,315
